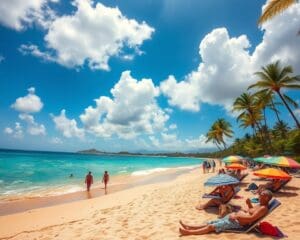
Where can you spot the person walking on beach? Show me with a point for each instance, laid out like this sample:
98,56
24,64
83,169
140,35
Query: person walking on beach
89,181
105,180
213,164
204,166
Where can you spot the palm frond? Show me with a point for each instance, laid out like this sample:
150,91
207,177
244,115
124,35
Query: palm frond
290,101
273,8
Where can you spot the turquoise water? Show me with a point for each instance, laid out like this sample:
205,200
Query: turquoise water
28,172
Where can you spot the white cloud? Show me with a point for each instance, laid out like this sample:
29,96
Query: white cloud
227,66
171,143
30,103
173,126
16,132
92,35
8,130
17,14
297,112
33,128
131,111
56,140
1,58
68,127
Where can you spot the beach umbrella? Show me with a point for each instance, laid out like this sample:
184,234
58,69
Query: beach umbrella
232,159
262,159
282,161
221,180
236,166
273,173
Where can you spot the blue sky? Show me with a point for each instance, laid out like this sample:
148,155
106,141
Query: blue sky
162,71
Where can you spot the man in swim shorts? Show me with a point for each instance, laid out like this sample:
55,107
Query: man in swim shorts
89,181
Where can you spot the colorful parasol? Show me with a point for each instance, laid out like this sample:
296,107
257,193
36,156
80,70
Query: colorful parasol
283,162
236,166
232,159
272,173
221,180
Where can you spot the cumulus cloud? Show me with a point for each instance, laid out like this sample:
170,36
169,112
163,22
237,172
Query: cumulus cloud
131,111
227,66
297,112
33,128
92,35
68,127
16,132
31,103
56,140
170,142
1,58
173,126
17,14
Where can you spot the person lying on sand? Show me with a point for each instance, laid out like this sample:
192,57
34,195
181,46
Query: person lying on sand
224,192
272,186
233,220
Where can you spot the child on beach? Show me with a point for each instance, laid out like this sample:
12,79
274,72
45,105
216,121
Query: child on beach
105,179
89,181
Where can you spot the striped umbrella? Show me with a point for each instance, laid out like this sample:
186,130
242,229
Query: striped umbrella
236,166
282,161
262,159
221,180
272,173
232,159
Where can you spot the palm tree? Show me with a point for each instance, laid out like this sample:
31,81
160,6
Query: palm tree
273,78
250,120
218,131
281,129
246,104
273,8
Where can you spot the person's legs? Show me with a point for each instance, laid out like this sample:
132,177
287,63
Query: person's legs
204,230
88,187
210,203
191,227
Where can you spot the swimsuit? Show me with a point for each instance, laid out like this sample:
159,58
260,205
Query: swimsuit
224,224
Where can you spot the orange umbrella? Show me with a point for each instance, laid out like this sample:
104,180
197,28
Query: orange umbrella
236,166
272,173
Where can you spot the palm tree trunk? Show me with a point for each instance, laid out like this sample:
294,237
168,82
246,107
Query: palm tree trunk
275,110
289,109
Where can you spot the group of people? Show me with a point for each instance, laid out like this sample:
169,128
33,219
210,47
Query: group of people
208,164
89,180
228,219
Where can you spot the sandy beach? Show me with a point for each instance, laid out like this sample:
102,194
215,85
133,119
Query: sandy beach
149,211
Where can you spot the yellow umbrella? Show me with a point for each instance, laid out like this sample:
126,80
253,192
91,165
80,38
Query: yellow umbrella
272,173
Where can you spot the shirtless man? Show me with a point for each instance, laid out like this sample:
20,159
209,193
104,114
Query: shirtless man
233,220
89,181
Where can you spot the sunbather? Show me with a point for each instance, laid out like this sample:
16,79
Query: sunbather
273,186
224,192
233,220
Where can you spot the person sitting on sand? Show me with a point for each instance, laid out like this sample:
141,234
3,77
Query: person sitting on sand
105,179
89,181
224,192
233,220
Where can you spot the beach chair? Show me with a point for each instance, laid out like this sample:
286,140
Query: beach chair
272,206
281,186
212,196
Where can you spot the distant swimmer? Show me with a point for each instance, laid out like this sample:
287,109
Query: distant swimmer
105,179
71,175
89,181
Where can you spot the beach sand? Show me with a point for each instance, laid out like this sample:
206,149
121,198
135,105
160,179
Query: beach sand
149,211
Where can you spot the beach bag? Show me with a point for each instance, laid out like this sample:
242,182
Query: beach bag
252,186
267,228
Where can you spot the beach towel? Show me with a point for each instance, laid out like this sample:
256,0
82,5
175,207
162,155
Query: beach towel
267,228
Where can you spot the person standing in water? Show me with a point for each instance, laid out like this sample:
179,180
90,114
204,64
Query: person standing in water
105,180
89,181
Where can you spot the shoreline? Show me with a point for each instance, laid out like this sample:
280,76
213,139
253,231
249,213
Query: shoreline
144,212
120,182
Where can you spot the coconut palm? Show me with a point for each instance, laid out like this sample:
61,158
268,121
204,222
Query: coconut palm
218,131
250,120
281,129
246,104
273,78
273,8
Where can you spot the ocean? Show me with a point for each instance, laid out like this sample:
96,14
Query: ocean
48,173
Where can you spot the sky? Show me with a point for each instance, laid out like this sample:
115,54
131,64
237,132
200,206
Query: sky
133,75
